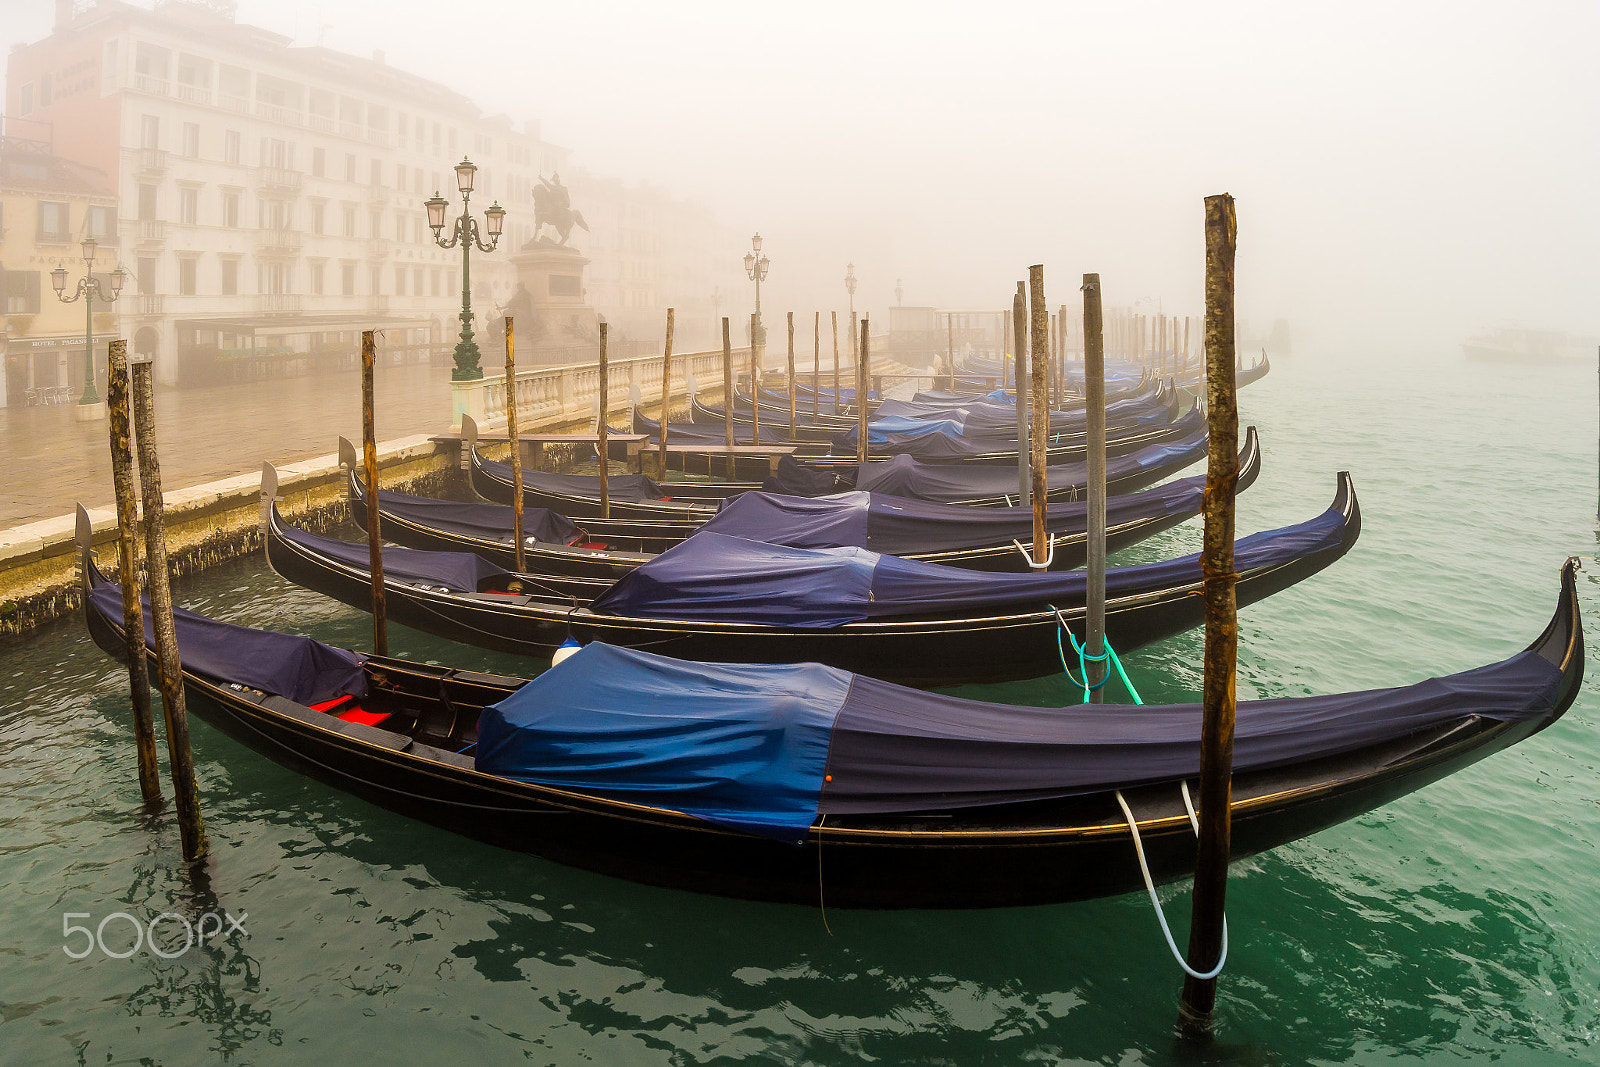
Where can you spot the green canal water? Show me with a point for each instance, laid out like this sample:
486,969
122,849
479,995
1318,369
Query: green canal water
1459,924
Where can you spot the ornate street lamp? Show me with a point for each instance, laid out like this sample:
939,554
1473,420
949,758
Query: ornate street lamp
755,266
464,231
89,289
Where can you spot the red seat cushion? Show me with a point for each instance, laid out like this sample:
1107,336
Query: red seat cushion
346,708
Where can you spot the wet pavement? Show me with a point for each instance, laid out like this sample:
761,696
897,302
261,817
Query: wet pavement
49,461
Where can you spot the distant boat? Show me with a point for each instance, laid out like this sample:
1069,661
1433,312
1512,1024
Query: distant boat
1517,345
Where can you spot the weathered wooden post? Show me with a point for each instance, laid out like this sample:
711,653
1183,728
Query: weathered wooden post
950,350
755,386
516,445
1094,399
1019,365
144,730
369,447
834,315
1222,627
816,360
1039,322
791,376
604,431
862,370
169,672
727,401
666,396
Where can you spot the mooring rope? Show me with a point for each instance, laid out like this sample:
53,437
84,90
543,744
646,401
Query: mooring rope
1155,902
1133,825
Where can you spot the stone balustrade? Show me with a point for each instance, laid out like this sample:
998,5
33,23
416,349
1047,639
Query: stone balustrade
568,393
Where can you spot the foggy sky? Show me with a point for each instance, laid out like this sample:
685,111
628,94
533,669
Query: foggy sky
1405,173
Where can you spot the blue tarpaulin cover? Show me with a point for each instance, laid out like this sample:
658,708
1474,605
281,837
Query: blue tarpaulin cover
742,747
712,577
766,749
488,522
900,526
299,668
460,572
950,483
621,486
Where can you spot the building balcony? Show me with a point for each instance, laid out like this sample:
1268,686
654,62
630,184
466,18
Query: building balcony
145,83
279,179
147,305
322,123
230,102
278,242
152,161
152,231
277,303
377,302
194,94
276,113
377,196
378,247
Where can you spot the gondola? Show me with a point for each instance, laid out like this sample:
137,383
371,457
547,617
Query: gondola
952,534
869,795
1170,414
943,446
634,496
721,598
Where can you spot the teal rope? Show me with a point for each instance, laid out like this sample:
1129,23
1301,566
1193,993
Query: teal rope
1084,659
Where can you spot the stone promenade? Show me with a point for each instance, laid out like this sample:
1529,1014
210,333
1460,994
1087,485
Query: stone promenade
49,461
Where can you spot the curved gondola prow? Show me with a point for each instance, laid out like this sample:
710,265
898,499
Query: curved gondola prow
1249,461
1345,502
83,536
349,458
1561,643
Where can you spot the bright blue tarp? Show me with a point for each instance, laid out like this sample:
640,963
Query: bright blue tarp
742,746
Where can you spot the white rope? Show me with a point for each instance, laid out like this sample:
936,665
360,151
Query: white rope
1150,886
1049,558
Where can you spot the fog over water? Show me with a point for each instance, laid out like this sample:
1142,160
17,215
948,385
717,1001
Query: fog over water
1405,174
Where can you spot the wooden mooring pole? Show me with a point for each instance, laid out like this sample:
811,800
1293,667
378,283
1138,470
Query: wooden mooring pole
369,452
861,397
169,673
144,730
791,376
727,400
755,384
1039,323
604,431
816,361
666,397
1222,627
1019,372
834,315
950,350
1094,400
516,445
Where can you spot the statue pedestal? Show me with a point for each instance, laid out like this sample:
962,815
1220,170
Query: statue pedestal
552,278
